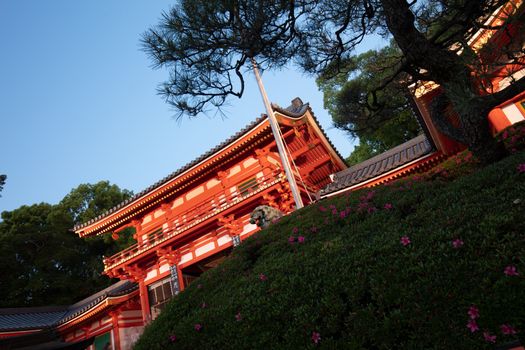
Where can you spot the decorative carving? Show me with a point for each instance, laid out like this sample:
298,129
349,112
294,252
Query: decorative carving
173,257
270,200
223,178
134,272
233,226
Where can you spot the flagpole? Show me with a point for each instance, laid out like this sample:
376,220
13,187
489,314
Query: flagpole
276,134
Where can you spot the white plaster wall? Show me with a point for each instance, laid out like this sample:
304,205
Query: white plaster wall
151,274
224,240
164,268
204,249
186,257
194,193
513,113
129,336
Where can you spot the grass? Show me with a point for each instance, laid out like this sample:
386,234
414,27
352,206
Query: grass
336,275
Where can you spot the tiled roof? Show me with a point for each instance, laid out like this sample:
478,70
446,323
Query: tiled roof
380,164
295,110
30,318
47,317
298,109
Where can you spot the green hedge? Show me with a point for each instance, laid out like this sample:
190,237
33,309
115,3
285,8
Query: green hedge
353,284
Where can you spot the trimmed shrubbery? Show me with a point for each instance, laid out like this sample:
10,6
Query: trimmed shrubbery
430,262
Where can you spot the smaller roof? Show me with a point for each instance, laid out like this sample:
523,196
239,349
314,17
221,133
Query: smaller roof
19,319
30,318
379,165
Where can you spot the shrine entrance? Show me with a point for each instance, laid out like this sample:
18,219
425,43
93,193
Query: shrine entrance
192,272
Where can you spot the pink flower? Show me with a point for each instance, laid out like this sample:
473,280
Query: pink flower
405,240
511,271
371,210
198,327
505,134
388,206
334,212
473,312
238,316
473,326
321,208
173,338
507,329
316,337
313,229
203,305
457,243
342,214
295,230
301,239
489,338
521,168
291,239
199,286
362,206
262,277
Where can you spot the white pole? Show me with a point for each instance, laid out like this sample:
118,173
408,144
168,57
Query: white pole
280,146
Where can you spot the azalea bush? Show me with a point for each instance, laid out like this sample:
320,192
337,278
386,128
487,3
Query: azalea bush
513,137
460,164
425,263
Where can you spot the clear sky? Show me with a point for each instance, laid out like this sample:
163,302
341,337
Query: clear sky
78,101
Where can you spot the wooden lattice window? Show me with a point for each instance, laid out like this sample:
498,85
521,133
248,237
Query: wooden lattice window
152,236
159,293
248,186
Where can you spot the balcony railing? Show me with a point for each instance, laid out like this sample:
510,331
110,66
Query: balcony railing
183,221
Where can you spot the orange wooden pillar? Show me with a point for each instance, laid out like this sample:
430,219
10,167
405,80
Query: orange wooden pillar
115,331
144,302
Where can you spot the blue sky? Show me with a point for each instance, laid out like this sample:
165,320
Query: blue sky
78,101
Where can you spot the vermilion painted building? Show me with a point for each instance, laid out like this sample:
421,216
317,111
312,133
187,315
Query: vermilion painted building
186,224
425,151
189,221
490,45
111,316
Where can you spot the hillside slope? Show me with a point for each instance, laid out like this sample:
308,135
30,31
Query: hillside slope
418,264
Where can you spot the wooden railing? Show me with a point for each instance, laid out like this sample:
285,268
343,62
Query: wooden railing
203,210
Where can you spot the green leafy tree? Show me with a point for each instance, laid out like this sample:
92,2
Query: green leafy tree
207,47
346,98
42,262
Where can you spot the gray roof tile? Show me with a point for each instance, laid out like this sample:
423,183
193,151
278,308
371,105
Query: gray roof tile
50,316
380,164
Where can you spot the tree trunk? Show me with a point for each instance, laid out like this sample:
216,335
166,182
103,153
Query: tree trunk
452,73
479,138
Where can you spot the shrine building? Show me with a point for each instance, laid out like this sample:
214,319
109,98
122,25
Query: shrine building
183,225
191,220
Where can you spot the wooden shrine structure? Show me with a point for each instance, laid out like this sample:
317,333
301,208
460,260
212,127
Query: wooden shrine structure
425,151
189,221
186,224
